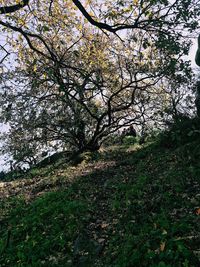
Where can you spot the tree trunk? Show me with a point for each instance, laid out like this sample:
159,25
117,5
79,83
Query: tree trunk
197,100
91,146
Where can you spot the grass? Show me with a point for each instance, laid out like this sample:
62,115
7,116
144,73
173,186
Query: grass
125,207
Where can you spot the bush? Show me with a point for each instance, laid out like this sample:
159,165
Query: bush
129,140
114,139
182,131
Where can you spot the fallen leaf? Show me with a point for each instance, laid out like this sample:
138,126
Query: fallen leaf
197,211
162,246
101,240
104,225
164,232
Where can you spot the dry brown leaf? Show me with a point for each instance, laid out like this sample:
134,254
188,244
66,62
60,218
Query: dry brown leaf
197,211
104,225
162,246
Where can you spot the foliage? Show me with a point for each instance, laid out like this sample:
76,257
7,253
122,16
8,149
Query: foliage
49,106
180,130
76,79
129,140
155,16
78,112
2,175
73,84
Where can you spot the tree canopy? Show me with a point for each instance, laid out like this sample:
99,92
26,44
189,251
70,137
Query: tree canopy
168,20
83,70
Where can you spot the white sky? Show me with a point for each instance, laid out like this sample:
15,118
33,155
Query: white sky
192,54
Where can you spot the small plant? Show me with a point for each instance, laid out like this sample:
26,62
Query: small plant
40,231
129,140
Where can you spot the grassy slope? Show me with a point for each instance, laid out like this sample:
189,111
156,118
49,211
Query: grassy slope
125,207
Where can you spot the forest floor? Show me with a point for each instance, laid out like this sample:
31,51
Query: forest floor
122,207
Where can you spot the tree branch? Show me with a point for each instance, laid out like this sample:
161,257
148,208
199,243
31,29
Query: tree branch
13,8
100,25
7,53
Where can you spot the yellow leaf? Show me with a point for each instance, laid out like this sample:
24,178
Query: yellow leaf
19,2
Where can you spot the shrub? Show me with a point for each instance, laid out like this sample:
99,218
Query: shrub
180,132
129,140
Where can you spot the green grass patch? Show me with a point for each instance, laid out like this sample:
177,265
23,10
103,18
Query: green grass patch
139,212
42,233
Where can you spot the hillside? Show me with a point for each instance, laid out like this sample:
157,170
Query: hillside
121,207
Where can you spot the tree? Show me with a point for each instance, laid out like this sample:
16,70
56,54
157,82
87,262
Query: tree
107,87
126,14
78,84
167,20
197,60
